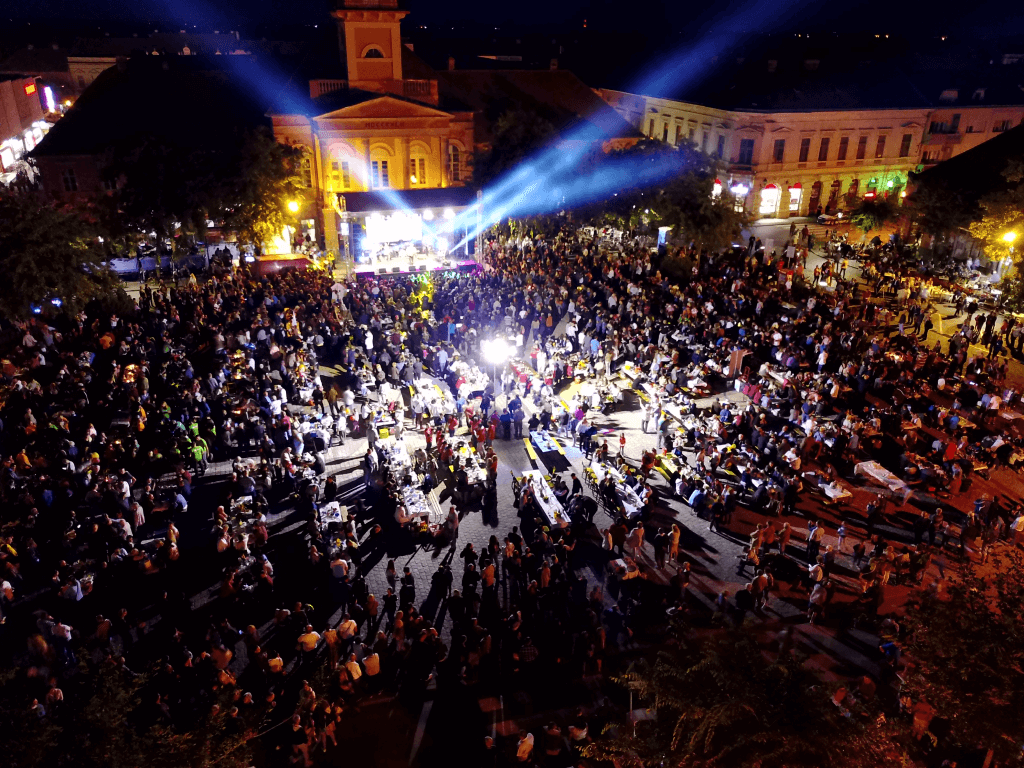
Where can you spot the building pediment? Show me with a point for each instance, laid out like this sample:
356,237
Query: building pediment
383,108
911,124
782,129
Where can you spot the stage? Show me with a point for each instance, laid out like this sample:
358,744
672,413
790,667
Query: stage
421,263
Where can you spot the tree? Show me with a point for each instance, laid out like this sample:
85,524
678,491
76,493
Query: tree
50,257
519,133
719,702
669,186
873,213
938,209
256,204
103,724
966,654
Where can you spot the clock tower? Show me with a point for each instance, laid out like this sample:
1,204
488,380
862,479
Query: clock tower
369,36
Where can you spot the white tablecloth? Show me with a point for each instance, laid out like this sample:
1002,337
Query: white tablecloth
879,474
630,501
551,507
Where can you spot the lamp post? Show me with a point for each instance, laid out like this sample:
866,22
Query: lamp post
496,352
1009,239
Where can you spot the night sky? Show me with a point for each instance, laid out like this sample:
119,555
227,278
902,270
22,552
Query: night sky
984,17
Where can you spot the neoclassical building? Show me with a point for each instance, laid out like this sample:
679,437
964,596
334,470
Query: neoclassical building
793,161
389,141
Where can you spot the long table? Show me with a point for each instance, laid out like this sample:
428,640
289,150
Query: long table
543,442
630,501
551,507
882,476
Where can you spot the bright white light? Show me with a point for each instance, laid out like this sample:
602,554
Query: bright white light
428,215
496,351
51,104
449,213
739,190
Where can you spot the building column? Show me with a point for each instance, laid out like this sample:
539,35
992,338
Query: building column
331,240
445,181
435,166
368,178
784,199
402,158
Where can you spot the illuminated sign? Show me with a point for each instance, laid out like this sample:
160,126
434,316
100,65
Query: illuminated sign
393,228
30,89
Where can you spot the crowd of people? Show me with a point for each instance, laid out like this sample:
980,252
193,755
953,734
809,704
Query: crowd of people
114,526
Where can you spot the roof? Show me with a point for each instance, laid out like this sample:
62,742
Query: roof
144,96
978,171
556,95
163,42
412,199
36,60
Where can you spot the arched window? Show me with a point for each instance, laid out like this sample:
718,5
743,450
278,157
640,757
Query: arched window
417,167
373,52
770,197
795,193
306,172
454,163
380,170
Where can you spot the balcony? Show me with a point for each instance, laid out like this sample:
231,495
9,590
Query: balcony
942,139
420,90
318,88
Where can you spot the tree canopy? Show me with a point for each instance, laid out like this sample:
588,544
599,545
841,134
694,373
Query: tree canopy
668,186
873,213
105,722
50,256
966,654
718,701
241,177
518,134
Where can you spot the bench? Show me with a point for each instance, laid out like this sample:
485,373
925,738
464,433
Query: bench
529,449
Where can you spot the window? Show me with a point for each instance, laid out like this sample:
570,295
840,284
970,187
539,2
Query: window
650,129
109,185
862,147
305,173
770,197
746,156
880,147
679,135
418,171
693,136
1002,125
905,145
379,174
455,161
823,150
795,193
341,176
805,149
844,147
373,52
70,182
721,147
779,151
664,133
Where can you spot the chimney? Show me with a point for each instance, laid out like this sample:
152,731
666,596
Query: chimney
553,65
451,63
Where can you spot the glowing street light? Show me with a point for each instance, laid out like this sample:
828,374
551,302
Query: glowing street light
293,206
1009,237
496,351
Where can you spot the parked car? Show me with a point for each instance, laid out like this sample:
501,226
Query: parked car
830,218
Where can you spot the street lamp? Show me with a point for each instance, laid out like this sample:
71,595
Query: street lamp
496,352
293,206
1009,237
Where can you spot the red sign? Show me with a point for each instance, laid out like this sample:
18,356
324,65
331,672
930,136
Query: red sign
30,89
